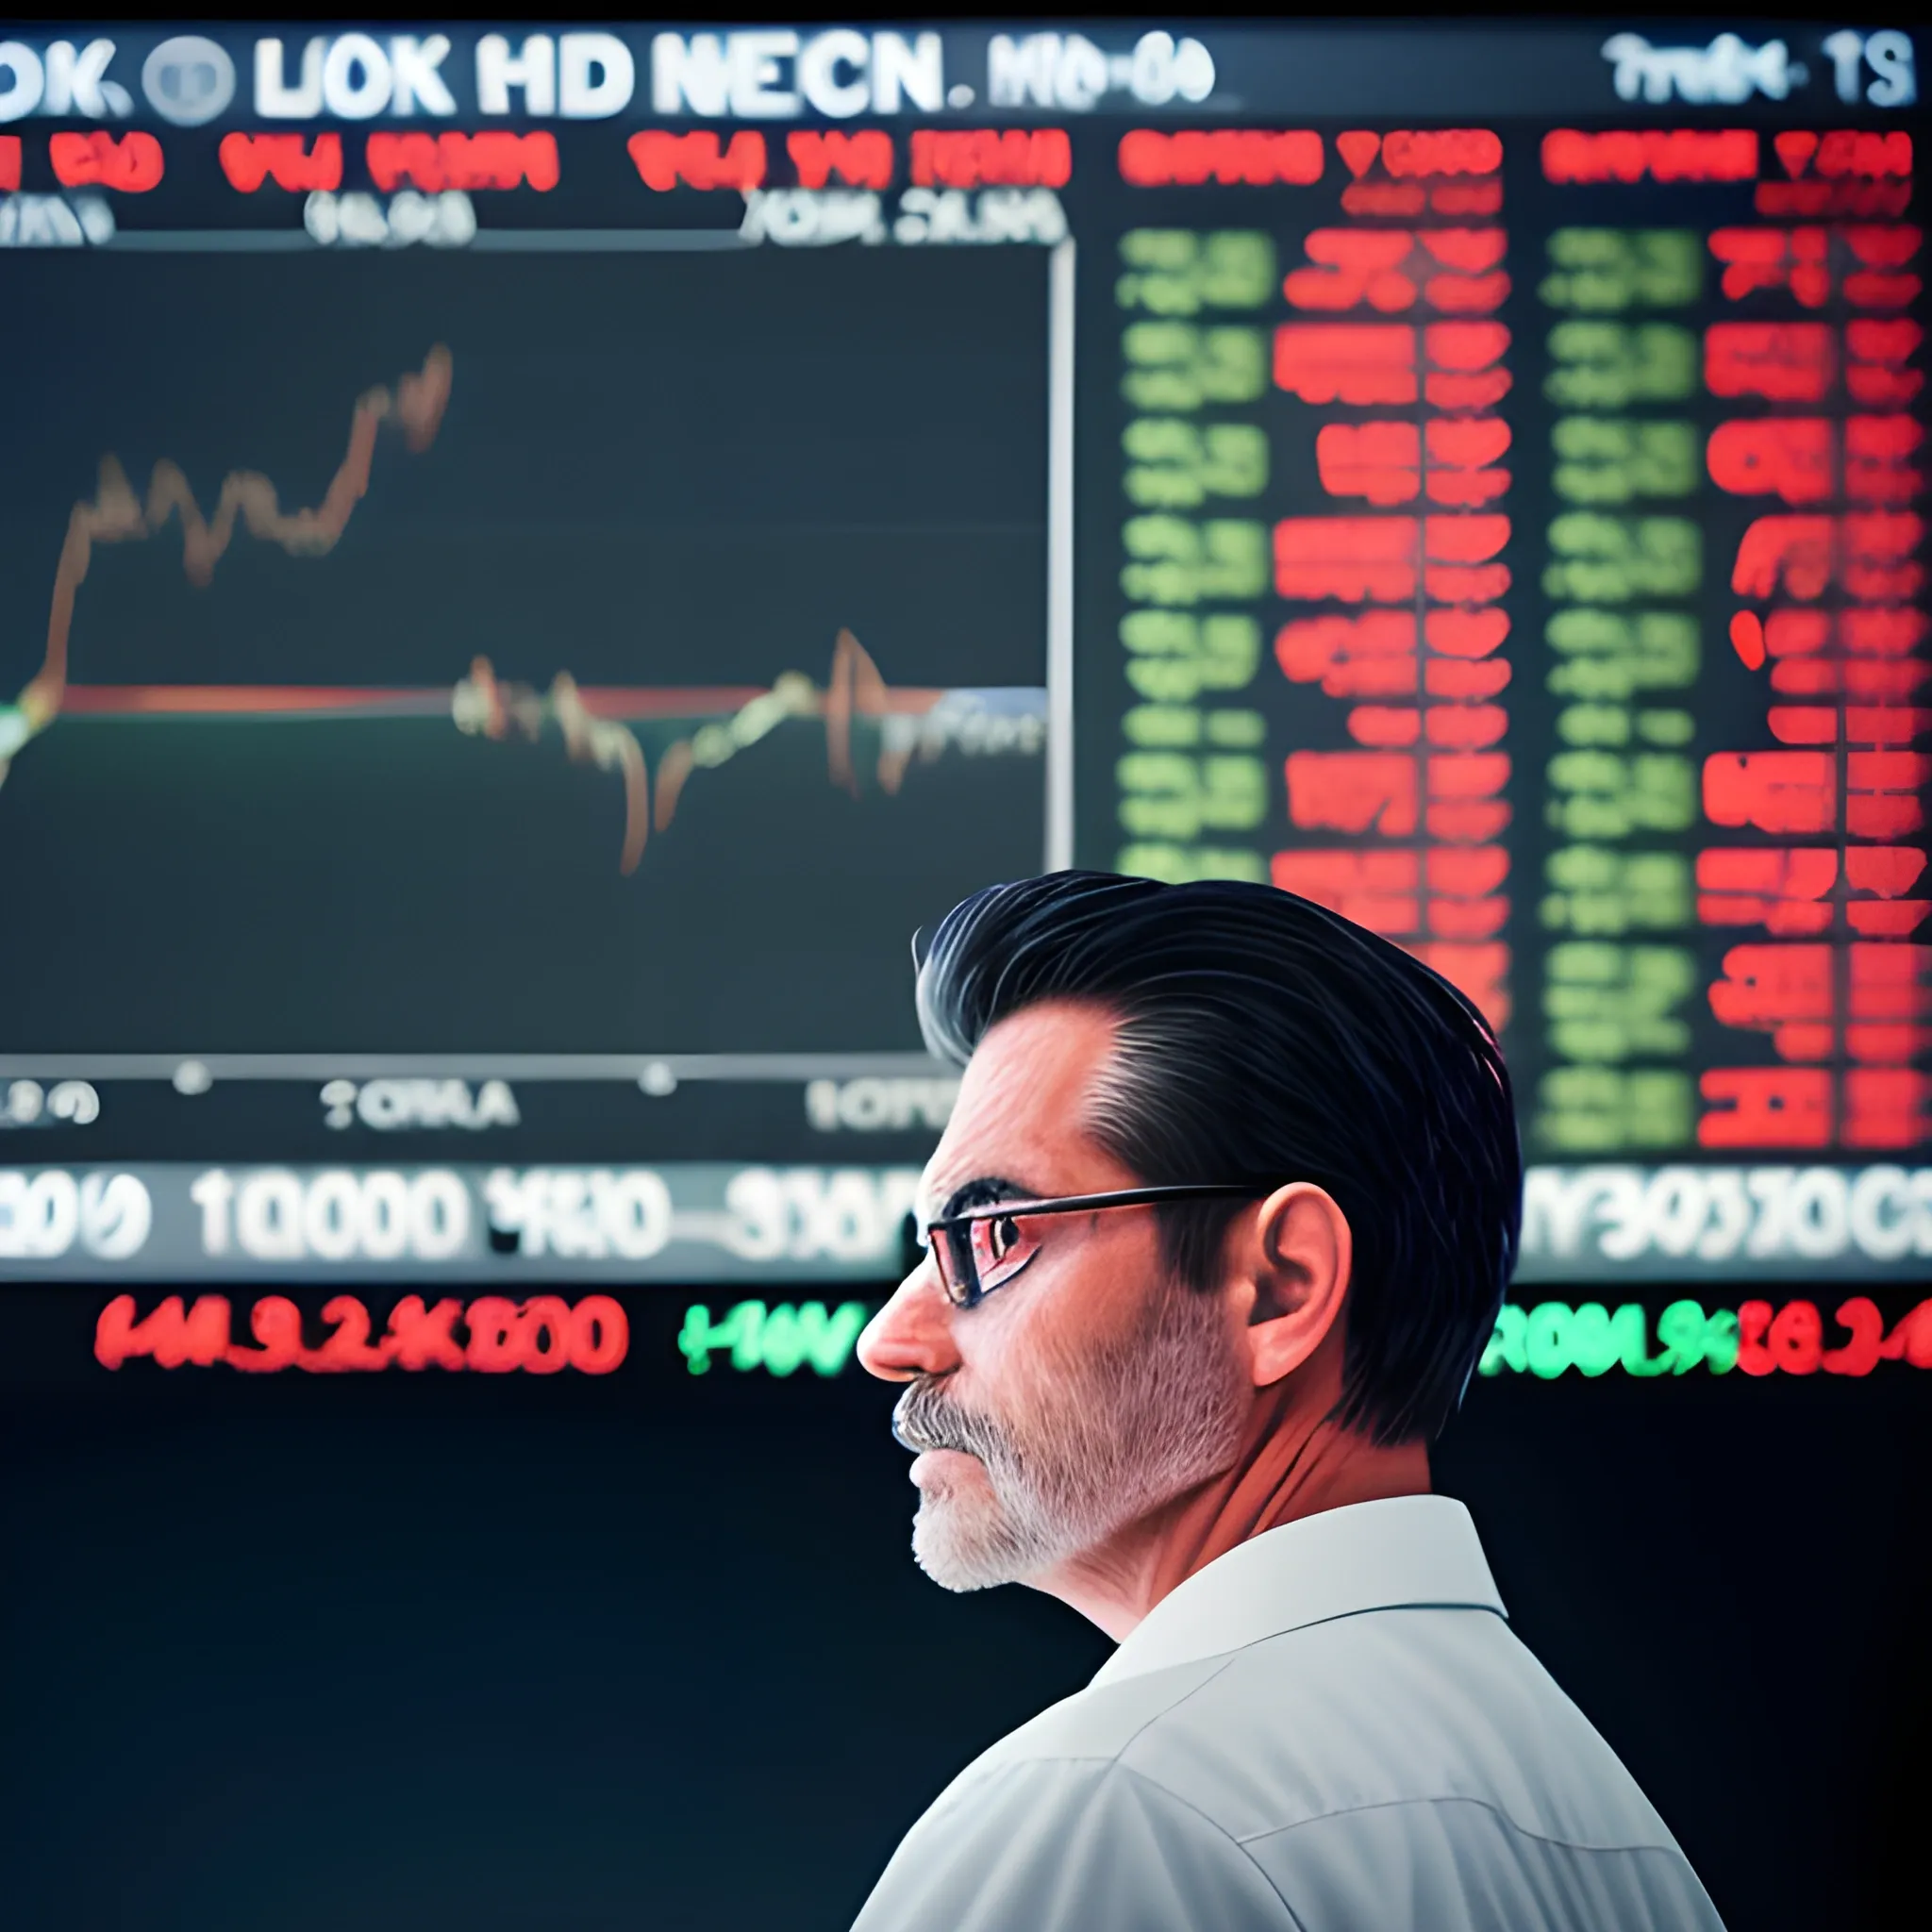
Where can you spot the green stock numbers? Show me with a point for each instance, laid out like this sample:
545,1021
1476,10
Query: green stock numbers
1547,1340
778,1340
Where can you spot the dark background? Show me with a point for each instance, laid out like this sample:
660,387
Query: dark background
649,1649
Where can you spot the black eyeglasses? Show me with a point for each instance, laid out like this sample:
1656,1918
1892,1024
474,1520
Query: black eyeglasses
984,1248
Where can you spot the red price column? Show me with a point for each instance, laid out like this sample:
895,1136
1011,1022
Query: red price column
1192,788
1394,599
1825,857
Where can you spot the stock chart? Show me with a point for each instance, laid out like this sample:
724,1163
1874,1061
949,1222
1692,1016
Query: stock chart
442,655
533,569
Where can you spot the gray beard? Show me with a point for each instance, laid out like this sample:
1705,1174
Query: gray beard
1116,1433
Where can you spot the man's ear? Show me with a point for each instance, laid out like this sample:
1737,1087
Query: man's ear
1300,1261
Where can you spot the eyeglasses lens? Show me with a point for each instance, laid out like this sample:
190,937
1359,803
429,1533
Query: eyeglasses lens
959,1269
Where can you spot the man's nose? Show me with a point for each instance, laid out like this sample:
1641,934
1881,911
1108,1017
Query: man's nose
912,1334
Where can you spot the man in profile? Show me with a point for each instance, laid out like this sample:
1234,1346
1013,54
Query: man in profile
1215,1237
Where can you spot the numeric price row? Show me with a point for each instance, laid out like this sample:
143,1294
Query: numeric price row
1553,1337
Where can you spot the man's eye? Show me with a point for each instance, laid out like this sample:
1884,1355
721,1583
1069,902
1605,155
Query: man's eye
1003,1244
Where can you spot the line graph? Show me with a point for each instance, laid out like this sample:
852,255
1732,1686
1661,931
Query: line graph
592,734
595,723
116,515
592,721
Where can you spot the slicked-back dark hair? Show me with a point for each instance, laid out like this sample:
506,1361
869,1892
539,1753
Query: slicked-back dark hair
1265,1039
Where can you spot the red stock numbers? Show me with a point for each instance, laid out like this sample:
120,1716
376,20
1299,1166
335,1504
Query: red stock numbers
1845,152
1797,994
1450,890
434,163
1791,993
1456,270
1384,462
1414,154
1785,888
540,1336
1848,171
1798,361
991,158
1383,794
1792,1107
1386,560
864,158
494,159
1446,171
1792,1340
1870,556
1450,365
1418,656
665,160
1655,154
1227,157
437,162
1797,458
131,164
1870,261
1374,655
296,163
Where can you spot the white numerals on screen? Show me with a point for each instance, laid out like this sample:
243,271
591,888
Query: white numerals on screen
803,1215
802,218
272,1214
27,1104
929,215
926,217
1888,54
1727,1214
591,1215
367,221
42,1215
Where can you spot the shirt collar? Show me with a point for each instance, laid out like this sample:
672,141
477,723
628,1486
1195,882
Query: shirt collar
1402,1552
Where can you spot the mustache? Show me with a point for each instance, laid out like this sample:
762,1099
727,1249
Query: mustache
925,1418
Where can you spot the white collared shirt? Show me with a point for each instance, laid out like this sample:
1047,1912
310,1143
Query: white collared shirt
1331,1728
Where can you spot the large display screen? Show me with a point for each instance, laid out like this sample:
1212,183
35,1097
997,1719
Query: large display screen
535,562
536,557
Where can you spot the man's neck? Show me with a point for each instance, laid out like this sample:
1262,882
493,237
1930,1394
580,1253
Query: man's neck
1288,1468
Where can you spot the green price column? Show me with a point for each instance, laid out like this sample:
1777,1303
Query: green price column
1622,566
1192,778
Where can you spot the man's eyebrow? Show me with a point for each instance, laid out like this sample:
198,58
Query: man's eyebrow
983,1190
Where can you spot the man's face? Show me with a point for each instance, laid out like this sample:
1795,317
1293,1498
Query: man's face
1090,1389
